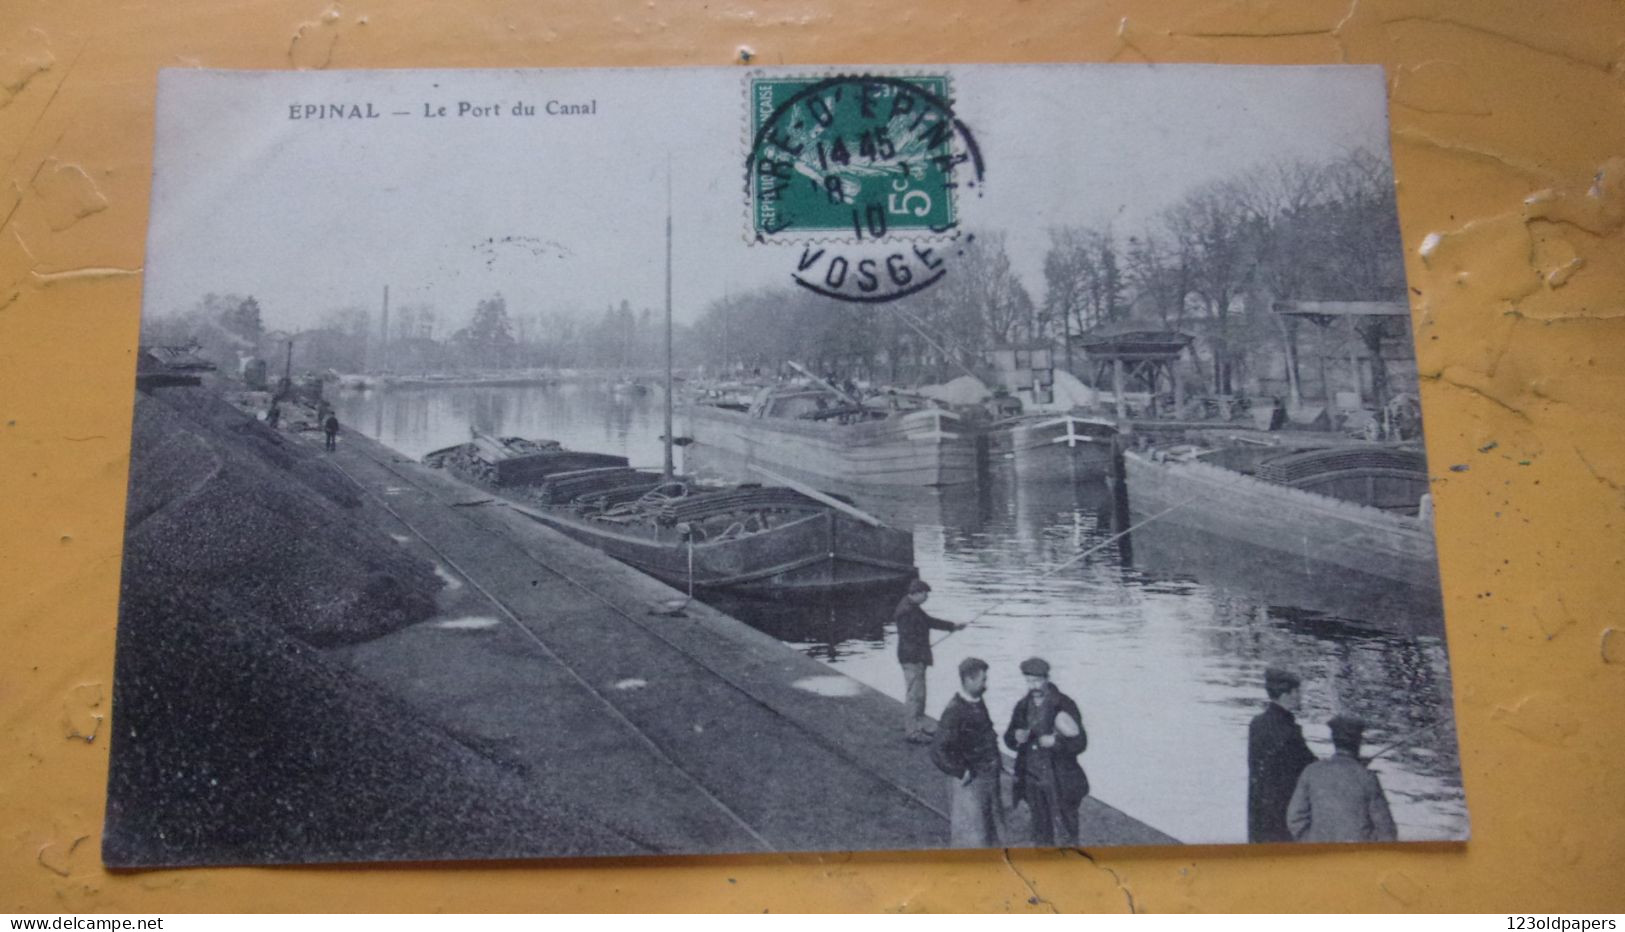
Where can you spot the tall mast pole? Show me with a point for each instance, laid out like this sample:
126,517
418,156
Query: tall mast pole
666,471
383,336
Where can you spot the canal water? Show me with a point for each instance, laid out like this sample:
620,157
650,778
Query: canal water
1161,636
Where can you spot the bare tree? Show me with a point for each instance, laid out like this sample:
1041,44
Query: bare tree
981,301
1084,280
1210,227
1158,273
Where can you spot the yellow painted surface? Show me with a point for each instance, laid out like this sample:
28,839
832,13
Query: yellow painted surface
1509,147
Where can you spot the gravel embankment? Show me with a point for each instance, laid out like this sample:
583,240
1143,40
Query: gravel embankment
234,739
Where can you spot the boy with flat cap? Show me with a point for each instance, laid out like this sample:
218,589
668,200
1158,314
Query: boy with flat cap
1276,755
914,629
1046,732
967,750
1339,798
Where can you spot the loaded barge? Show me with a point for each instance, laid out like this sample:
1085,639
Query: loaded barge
818,431
761,541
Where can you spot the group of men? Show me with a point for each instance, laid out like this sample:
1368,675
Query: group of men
1291,795
1045,731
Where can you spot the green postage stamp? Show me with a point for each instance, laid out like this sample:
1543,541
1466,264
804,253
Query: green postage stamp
855,157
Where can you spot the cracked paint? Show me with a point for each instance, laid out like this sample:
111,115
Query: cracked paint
313,42
15,262
1552,615
1486,260
1437,87
1598,208
1126,42
22,59
1401,887
1493,157
90,272
58,857
1543,717
10,200
1128,895
83,717
1034,898
67,193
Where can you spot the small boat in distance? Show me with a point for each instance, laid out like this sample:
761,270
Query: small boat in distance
761,541
1360,506
1067,445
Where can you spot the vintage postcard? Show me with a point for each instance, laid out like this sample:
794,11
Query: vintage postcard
616,462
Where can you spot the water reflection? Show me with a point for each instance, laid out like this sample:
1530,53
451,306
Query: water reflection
1316,593
1161,636
581,415
827,630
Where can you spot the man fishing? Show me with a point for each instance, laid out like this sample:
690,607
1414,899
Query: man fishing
1339,798
1046,732
914,629
1276,755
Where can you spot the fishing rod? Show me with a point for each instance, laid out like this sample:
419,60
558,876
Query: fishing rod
1405,739
1071,560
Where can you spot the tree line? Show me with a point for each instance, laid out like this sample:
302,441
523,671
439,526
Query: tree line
1210,264
419,338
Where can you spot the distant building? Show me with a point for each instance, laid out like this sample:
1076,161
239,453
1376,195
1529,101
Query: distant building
1025,370
161,366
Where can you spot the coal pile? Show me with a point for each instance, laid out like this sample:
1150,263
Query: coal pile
242,512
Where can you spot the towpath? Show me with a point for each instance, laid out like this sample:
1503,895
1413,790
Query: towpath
690,733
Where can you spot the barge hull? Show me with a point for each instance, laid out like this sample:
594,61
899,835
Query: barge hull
817,556
918,449
1289,521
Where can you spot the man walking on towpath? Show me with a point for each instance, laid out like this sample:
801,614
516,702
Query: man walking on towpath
1276,755
1339,798
967,750
1046,732
330,427
914,629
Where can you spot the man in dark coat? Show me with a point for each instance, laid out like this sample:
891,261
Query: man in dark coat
1339,798
967,750
1046,732
330,427
914,629
1276,755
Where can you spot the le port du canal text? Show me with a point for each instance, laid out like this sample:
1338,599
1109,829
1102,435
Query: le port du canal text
462,109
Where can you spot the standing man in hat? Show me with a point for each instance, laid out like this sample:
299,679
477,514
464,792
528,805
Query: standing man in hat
1339,798
1046,732
1276,755
914,629
967,750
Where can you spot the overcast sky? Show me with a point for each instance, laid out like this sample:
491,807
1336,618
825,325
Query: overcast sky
561,212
